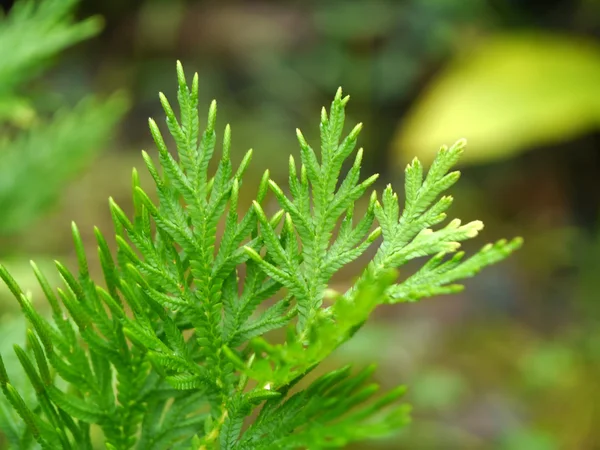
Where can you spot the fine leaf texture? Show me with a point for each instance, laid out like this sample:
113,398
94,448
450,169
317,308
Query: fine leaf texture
173,348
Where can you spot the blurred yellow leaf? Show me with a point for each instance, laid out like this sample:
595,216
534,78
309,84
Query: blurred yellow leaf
507,94
16,110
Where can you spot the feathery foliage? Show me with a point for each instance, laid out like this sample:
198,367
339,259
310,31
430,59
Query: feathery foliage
171,349
34,32
38,155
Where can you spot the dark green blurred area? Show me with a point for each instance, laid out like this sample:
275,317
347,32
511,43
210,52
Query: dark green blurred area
513,362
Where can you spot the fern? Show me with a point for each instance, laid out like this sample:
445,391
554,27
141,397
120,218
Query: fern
36,31
175,350
39,155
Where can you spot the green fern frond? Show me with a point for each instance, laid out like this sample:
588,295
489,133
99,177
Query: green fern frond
39,154
177,351
35,31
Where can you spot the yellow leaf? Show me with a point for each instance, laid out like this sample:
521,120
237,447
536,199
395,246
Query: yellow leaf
509,93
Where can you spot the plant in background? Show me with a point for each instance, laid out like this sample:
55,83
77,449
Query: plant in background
39,152
39,155
173,351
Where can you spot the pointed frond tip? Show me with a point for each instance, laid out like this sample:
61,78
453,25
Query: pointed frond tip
454,150
180,74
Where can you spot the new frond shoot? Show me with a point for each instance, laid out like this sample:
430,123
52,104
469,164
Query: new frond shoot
170,350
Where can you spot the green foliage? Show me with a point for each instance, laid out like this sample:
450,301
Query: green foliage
173,351
36,163
30,36
39,155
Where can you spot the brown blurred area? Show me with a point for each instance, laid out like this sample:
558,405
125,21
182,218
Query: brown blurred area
511,363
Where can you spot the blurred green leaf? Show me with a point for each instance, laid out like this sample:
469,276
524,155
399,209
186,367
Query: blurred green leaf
33,33
40,156
38,162
16,110
513,91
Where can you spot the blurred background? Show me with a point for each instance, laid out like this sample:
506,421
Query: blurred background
511,363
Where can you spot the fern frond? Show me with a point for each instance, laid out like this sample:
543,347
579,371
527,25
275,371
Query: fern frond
175,352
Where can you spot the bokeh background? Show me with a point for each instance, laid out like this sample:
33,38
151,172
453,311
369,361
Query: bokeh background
513,362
